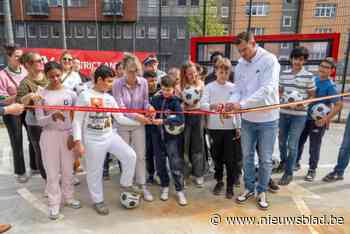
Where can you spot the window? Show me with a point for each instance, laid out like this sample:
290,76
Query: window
55,31
195,3
257,31
69,31
31,31
181,2
54,3
165,32
325,10
20,30
213,11
140,31
165,3
181,32
226,30
287,21
289,1
152,32
44,31
323,30
79,31
285,45
91,31
224,12
106,31
127,32
77,3
152,3
258,9
118,31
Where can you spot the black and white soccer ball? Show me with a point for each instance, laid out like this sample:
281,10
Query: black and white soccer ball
174,129
290,96
130,200
191,96
319,111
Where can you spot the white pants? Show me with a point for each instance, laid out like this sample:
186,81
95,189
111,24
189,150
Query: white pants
136,138
96,149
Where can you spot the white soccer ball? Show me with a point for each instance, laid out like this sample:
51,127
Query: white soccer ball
290,96
191,96
174,129
319,111
130,200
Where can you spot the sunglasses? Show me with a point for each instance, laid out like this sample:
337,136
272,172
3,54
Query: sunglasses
67,59
37,61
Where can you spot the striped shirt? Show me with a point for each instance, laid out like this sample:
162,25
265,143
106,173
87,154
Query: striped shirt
302,82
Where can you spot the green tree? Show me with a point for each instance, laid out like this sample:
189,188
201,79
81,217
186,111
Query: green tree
213,26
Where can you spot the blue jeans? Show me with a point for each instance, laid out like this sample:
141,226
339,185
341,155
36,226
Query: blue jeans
344,152
290,129
265,135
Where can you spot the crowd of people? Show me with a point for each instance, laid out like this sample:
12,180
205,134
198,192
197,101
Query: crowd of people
162,139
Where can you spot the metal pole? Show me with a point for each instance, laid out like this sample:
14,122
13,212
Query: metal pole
345,71
250,15
8,22
204,29
63,20
159,29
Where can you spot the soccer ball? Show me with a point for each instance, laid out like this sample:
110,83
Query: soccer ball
191,96
319,111
174,129
291,96
129,200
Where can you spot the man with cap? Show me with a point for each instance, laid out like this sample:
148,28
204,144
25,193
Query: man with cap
151,64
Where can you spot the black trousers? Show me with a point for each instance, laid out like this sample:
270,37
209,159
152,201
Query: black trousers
34,133
225,154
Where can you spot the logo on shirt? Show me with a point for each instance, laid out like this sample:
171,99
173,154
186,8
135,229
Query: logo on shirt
257,71
66,102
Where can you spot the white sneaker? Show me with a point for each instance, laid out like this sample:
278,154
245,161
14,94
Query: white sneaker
73,203
245,196
147,195
181,198
54,212
262,202
199,181
76,180
164,193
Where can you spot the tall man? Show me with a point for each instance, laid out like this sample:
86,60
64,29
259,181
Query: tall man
256,79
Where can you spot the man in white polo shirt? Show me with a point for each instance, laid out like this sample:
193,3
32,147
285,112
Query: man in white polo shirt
256,79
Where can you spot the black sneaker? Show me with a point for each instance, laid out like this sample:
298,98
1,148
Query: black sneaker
332,177
297,167
229,192
150,180
245,196
285,180
218,188
310,176
279,169
101,208
273,187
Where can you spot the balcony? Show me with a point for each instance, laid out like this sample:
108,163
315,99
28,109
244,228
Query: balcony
37,7
112,8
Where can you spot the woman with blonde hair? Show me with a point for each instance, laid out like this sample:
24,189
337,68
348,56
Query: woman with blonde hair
192,89
27,93
131,92
70,78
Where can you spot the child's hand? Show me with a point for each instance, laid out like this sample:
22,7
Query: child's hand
152,112
157,122
143,119
322,122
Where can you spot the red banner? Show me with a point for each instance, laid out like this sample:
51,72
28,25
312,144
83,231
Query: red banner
89,59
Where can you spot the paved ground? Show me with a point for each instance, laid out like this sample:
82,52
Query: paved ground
25,207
